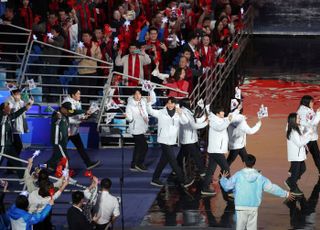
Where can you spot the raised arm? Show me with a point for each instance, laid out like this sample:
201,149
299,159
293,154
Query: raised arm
248,130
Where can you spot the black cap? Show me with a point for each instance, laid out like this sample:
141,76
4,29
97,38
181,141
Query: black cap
67,105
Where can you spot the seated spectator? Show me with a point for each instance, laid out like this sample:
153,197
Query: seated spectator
107,206
75,217
116,23
98,35
21,219
133,64
178,82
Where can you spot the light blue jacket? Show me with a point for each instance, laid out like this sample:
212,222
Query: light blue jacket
22,220
248,185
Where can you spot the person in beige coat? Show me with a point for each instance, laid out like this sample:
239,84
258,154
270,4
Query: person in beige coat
87,66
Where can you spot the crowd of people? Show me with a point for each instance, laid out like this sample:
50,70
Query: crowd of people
170,42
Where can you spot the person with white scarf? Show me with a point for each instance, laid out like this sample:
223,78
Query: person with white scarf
137,116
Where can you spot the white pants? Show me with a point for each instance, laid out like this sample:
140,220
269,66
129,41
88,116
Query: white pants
247,219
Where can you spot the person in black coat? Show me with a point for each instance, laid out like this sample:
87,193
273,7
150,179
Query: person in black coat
75,216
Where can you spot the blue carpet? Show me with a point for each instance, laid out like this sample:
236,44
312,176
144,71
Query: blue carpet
138,194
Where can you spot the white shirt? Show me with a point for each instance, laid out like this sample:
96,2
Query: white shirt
37,202
109,207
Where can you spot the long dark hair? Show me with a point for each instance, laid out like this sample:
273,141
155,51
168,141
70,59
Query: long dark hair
292,124
305,100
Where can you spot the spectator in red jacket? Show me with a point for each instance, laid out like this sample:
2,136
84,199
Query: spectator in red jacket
26,14
178,82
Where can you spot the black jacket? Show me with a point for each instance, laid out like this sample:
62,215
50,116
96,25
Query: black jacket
77,220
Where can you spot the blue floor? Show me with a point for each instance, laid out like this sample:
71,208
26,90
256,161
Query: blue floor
138,194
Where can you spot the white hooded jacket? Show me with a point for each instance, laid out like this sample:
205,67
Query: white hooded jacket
238,130
137,116
296,146
168,127
309,121
188,132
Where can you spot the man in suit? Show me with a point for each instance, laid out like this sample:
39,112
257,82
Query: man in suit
75,216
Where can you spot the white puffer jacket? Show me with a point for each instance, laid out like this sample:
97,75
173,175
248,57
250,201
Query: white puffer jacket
309,121
188,132
296,146
168,127
137,116
238,130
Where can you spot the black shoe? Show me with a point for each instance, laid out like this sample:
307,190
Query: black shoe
141,168
208,192
296,191
93,164
133,168
188,183
157,183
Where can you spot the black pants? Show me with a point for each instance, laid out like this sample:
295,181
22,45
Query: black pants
191,150
234,153
13,163
140,150
76,140
297,169
314,150
167,156
214,160
17,143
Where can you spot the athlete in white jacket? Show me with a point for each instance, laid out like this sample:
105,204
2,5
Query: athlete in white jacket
169,120
75,121
309,122
296,148
20,123
218,145
237,132
188,137
137,116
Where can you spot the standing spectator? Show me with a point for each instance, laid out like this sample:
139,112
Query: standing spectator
90,49
107,207
296,142
191,46
248,185
21,219
19,125
84,16
26,14
75,216
7,147
51,62
75,121
116,23
137,116
207,52
133,63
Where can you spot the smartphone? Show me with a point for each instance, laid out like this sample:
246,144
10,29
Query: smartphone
137,51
